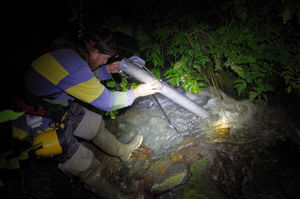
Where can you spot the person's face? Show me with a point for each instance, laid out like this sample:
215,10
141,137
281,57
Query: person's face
97,59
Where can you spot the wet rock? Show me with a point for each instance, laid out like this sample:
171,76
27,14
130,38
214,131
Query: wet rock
228,168
201,185
275,172
229,141
173,176
175,193
155,170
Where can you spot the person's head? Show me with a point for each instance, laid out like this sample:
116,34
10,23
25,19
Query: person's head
96,49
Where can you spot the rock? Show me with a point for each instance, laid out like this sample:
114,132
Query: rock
175,193
173,176
201,185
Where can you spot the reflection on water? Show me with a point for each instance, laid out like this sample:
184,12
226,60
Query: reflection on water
229,122
230,139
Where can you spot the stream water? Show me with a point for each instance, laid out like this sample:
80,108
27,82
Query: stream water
230,139
229,121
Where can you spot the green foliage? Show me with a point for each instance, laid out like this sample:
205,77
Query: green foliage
123,87
156,73
12,163
179,74
289,11
249,47
154,55
8,115
251,55
112,114
111,84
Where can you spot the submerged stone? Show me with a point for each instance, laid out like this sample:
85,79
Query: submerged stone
172,177
201,185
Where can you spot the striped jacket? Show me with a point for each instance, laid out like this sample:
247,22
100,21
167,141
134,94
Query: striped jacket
64,70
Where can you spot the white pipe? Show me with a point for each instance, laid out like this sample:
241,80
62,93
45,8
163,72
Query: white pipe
133,67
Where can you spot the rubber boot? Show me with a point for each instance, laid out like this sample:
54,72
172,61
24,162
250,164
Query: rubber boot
91,176
108,143
94,181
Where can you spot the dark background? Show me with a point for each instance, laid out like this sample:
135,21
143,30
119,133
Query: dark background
28,25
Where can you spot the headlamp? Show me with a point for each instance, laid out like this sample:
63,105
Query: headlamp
102,50
82,34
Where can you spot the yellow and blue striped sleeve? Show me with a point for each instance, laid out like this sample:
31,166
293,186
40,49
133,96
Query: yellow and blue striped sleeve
66,70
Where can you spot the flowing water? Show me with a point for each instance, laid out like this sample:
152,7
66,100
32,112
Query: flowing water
230,139
231,121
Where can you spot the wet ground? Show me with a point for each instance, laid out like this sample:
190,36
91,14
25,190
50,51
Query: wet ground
245,145
244,150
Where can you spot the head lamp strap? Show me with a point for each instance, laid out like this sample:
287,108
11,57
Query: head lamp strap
99,47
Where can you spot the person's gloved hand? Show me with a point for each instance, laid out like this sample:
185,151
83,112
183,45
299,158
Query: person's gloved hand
147,89
113,67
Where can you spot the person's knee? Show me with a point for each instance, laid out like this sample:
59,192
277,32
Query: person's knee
79,162
89,125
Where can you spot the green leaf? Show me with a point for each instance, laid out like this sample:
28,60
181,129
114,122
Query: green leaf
218,62
23,155
245,59
243,15
286,15
240,85
123,82
5,154
7,115
12,164
111,84
112,114
156,72
239,70
133,85
3,162
202,84
268,87
252,95
220,31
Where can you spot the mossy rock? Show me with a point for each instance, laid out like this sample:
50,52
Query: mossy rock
172,177
153,173
158,166
201,185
